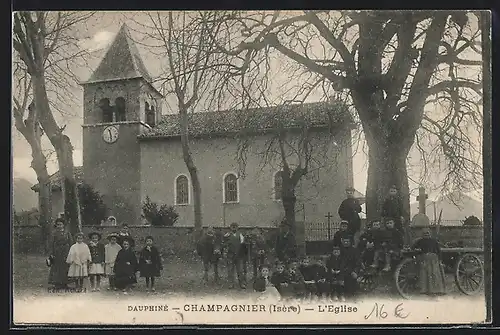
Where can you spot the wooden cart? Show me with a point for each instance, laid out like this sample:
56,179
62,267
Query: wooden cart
466,264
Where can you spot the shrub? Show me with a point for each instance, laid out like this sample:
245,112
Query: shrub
159,215
472,221
92,207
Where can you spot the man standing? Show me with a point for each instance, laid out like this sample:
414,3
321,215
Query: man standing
349,211
234,242
393,208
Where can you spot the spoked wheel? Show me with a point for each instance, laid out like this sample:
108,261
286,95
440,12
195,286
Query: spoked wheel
469,274
406,278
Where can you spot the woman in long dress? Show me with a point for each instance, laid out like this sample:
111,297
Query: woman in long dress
125,267
431,274
59,245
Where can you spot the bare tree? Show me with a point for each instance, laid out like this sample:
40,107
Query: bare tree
396,66
301,141
183,43
26,122
47,45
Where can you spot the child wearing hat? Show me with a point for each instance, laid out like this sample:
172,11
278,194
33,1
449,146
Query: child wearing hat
150,263
110,252
78,259
96,267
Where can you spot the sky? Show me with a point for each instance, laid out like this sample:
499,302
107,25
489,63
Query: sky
96,35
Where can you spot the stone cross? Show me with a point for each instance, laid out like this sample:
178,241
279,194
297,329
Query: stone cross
421,198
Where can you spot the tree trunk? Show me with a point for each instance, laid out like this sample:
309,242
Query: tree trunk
289,201
69,185
64,152
386,167
193,173
30,129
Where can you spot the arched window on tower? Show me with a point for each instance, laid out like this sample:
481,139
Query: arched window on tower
120,110
230,190
106,110
182,190
150,115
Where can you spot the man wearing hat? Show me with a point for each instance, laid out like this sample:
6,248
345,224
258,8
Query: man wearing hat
393,208
209,248
349,211
234,242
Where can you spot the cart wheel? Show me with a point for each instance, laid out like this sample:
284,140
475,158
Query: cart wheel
406,277
469,274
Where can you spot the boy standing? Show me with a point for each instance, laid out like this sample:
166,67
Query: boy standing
336,274
257,250
393,208
349,211
235,241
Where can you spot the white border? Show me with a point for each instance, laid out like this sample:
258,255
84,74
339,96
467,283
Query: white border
224,188
175,189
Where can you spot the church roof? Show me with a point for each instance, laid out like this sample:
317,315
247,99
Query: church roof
121,61
55,179
315,115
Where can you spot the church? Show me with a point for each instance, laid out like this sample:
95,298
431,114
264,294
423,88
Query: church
132,151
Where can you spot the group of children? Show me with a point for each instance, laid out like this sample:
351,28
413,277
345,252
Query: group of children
115,260
307,279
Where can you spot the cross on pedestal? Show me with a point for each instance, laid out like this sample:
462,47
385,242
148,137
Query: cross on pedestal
421,198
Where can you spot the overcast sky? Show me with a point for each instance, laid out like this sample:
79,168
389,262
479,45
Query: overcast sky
97,34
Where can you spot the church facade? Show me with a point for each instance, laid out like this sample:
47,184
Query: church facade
132,151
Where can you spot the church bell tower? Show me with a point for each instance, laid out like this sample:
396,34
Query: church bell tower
120,103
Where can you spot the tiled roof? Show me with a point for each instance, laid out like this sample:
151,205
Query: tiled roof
315,115
122,61
55,178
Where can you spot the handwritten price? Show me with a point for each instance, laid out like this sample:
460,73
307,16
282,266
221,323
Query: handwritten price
378,312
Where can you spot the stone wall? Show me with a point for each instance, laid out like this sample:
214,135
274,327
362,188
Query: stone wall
179,241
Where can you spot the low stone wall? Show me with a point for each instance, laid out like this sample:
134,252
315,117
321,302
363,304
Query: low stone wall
173,241
180,240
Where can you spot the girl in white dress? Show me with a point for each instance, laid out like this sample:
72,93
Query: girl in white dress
78,259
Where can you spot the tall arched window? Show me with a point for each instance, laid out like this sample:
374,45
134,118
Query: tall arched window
230,188
120,109
278,185
182,190
151,116
106,110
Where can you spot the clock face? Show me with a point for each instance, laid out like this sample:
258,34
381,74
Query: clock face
110,134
